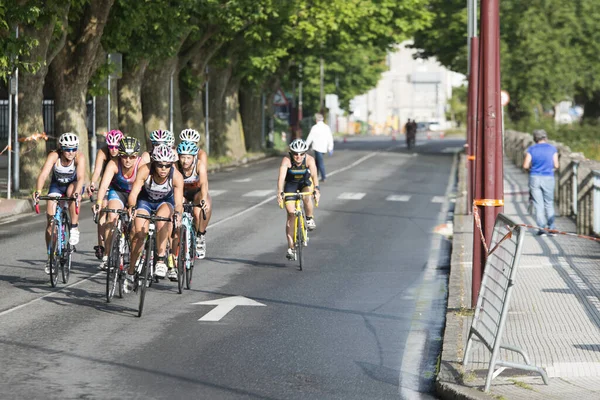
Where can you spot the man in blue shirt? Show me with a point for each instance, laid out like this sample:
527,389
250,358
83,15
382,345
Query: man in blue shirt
541,160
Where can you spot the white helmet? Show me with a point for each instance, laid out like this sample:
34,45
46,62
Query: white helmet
298,146
160,136
68,140
164,153
189,135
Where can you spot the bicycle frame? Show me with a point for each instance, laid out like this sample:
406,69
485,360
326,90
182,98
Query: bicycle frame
300,238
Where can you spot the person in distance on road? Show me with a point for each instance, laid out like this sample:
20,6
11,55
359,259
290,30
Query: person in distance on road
321,140
297,172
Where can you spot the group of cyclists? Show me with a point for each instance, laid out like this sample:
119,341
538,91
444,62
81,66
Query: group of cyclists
157,181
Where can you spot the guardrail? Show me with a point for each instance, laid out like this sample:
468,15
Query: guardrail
577,190
493,303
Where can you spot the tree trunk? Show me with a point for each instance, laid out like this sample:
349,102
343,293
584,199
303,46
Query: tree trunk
252,114
31,95
226,133
72,69
155,95
131,119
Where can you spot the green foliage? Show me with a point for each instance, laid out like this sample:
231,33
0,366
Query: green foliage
458,105
581,138
12,49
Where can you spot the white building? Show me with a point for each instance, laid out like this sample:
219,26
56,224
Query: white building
416,89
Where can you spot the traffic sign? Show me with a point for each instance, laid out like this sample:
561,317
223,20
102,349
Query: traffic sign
279,99
504,98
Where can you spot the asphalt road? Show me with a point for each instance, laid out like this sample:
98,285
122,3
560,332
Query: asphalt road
363,320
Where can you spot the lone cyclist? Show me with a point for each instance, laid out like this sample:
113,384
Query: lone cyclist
298,172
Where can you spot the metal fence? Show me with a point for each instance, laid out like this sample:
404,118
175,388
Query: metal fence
499,279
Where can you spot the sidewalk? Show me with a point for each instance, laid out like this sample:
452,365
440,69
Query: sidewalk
554,315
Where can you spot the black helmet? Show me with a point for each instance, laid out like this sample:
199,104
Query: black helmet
129,146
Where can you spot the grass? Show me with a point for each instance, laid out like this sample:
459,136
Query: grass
465,312
521,384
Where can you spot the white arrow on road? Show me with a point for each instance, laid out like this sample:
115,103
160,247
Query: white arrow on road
224,305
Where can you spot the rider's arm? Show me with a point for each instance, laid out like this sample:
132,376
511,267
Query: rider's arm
45,171
312,167
142,174
80,162
178,190
109,173
145,158
285,164
203,175
100,158
204,158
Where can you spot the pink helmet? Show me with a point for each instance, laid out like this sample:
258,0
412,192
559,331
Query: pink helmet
114,137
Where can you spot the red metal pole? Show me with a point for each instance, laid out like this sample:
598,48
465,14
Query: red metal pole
489,173
472,119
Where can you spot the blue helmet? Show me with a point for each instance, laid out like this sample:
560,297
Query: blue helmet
187,148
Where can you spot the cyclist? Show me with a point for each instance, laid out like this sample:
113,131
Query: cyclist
192,176
158,187
104,155
297,172
67,166
157,137
117,181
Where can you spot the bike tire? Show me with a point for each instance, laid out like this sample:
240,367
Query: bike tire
191,251
113,264
146,277
300,227
54,258
65,259
123,267
181,259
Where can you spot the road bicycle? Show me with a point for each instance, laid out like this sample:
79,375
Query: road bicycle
59,248
144,268
411,139
300,231
186,252
118,256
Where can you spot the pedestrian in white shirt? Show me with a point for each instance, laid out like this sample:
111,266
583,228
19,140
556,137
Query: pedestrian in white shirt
321,139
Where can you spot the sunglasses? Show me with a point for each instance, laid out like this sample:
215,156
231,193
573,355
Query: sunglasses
129,157
113,147
163,166
69,150
297,154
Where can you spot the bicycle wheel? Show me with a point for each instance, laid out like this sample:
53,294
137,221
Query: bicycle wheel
300,226
112,270
189,264
145,278
65,257
123,264
53,256
181,258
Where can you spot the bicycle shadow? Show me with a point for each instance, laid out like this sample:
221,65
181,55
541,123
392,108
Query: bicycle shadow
245,262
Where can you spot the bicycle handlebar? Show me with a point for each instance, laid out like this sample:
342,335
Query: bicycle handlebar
297,195
187,207
57,198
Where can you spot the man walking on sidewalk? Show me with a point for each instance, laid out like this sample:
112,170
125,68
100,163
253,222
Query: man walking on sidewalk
541,160
322,142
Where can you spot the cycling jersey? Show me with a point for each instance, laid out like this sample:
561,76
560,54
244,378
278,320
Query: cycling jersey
298,173
64,175
191,181
122,183
158,191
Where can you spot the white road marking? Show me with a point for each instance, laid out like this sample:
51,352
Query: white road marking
398,197
224,305
258,193
215,193
351,196
242,180
438,199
